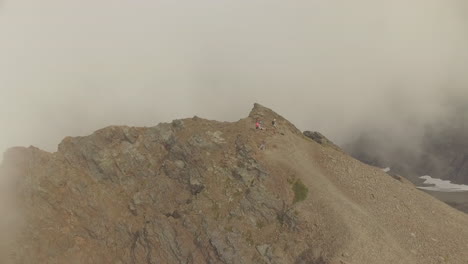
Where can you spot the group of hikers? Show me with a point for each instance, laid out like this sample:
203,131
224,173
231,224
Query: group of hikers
259,124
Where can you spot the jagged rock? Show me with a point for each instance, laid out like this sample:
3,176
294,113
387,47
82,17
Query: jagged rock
321,139
199,191
262,113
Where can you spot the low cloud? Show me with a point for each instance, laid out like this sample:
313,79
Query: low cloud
387,69
339,67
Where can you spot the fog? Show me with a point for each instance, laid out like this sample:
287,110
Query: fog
343,68
339,67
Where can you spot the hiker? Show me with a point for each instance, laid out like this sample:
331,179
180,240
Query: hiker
273,123
262,146
259,125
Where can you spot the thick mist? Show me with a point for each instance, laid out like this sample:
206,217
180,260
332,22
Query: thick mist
339,67
344,68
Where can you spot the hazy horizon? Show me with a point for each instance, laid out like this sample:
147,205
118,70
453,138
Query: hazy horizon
379,68
341,68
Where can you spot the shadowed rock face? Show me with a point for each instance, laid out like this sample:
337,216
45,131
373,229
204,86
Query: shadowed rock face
445,149
199,191
321,139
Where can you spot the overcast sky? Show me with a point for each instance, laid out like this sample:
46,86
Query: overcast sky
336,66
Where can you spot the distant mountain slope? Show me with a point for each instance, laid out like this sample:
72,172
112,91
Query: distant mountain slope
200,191
440,151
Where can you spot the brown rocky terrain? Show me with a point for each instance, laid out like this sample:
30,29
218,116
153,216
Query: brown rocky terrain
200,191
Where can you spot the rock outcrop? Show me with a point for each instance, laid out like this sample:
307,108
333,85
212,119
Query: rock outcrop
199,191
321,139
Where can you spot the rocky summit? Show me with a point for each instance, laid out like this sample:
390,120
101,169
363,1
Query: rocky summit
201,191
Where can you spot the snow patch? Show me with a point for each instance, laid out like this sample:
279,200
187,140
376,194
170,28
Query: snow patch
441,185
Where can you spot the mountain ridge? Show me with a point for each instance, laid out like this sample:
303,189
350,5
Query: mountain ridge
200,191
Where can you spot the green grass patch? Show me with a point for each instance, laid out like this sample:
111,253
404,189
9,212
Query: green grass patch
300,191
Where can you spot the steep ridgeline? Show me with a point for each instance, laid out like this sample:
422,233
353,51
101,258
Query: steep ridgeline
200,191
